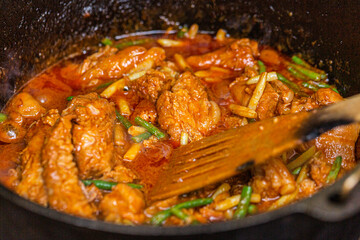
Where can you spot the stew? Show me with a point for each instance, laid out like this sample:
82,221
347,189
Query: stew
90,135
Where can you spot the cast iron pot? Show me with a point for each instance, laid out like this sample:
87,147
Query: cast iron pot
36,34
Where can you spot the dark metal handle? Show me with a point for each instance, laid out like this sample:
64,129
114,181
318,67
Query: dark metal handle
338,202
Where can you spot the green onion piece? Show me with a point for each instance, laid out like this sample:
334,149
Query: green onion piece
141,137
132,43
160,217
3,117
303,158
296,171
252,209
127,124
100,184
334,170
69,98
310,86
244,203
106,42
182,31
262,67
151,128
104,85
307,72
180,214
297,74
252,120
300,61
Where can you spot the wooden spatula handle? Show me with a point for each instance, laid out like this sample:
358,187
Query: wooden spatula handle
324,119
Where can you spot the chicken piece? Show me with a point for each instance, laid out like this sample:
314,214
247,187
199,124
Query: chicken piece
124,61
268,102
187,109
9,172
122,205
93,194
93,134
236,56
273,179
146,110
32,185
152,84
60,173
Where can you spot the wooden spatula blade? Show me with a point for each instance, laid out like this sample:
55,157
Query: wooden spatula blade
218,157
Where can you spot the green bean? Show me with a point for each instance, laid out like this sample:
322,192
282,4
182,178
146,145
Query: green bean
308,73
127,124
325,85
135,186
310,86
105,185
296,171
243,206
296,73
141,137
106,42
295,88
252,209
335,168
180,214
262,67
151,128
300,61
3,117
182,31
303,158
100,184
104,85
160,217
132,43
69,98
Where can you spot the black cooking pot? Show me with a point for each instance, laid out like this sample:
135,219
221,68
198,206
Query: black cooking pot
36,34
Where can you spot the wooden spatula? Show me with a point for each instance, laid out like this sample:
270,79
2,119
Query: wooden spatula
216,158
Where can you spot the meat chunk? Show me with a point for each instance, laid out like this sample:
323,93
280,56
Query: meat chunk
123,205
60,173
267,105
93,134
124,61
146,110
32,184
273,179
187,109
237,55
152,84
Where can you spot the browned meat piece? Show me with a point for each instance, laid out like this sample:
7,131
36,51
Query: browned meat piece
268,102
93,134
187,109
9,172
22,111
273,179
152,84
115,66
93,194
146,110
237,55
123,205
60,173
32,185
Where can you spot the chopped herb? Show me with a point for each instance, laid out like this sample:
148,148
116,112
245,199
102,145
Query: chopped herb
106,42
127,124
132,43
334,170
3,117
69,98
